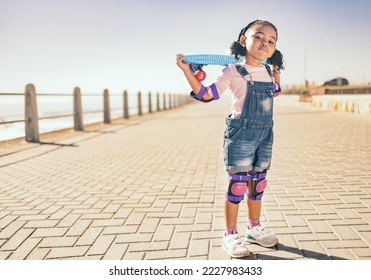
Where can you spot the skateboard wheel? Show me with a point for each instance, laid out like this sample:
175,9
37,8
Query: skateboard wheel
200,75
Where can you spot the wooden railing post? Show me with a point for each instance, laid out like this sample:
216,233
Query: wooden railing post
149,102
158,102
140,112
126,105
31,116
77,110
106,107
170,105
164,101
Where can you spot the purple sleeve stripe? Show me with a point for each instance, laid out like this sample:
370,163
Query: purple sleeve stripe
201,93
214,92
276,87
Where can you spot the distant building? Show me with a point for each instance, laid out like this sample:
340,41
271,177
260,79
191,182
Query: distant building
337,82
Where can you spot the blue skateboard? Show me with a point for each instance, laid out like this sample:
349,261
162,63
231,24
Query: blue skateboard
197,61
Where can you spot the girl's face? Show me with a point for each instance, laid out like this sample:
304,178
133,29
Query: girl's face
260,41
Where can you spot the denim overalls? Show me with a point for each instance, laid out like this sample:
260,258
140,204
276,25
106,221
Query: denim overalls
248,140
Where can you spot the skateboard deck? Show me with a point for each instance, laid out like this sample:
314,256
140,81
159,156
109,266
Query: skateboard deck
197,61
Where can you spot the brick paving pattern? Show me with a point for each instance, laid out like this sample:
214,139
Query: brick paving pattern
152,187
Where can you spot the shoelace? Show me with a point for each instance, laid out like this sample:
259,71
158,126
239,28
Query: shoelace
264,231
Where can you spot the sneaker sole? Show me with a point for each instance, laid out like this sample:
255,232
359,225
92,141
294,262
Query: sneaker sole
261,244
247,254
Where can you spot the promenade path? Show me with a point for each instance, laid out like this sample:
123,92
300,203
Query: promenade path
152,187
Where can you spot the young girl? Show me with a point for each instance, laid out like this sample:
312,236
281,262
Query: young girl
248,138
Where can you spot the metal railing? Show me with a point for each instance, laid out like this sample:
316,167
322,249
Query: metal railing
31,117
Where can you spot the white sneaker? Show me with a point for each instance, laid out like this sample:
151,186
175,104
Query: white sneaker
233,246
262,236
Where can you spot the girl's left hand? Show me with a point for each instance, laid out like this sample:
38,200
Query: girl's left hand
276,69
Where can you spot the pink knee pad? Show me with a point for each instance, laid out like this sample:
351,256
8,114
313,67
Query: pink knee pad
239,188
261,185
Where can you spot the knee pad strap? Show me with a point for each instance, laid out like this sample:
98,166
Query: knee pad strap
237,187
259,183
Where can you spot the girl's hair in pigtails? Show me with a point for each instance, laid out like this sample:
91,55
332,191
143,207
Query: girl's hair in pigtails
238,50
277,60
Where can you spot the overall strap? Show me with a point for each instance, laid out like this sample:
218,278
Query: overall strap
269,71
243,72
247,77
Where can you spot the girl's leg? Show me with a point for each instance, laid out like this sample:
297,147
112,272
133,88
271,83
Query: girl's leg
231,242
253,208
230,214
255,233
230,208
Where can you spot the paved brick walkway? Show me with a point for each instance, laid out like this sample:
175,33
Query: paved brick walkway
153,188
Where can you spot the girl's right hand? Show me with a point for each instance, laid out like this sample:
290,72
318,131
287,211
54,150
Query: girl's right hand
193,82
182,65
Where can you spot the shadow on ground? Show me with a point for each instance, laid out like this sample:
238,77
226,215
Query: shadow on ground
302,253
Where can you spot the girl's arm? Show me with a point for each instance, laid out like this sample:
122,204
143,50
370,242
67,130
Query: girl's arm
277,79
193,82
276,74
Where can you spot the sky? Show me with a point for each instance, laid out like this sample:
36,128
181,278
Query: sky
131,44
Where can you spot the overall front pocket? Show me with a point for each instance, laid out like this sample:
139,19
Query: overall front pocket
233,128
262,102
232,132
